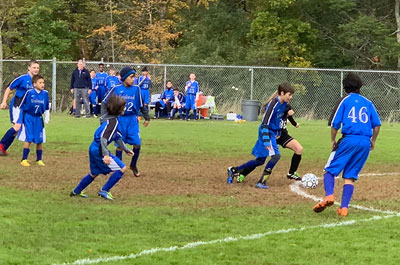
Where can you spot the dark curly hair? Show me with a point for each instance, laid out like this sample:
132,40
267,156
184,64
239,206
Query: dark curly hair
352,83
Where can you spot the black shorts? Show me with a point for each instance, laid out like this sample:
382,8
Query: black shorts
284,139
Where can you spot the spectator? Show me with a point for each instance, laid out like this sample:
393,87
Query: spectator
178,104
165,102
81,86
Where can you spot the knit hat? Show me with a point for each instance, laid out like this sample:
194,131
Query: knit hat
125,72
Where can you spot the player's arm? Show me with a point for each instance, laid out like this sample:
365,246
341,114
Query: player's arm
108,132
47,110
375,133
333,137
5,97
123,146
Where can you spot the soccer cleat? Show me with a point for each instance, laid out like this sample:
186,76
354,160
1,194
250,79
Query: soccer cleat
342,211
40,163
261,186
231,174
135,171
25,163
3,151
328,201
240,178
81,195
294,176
106,195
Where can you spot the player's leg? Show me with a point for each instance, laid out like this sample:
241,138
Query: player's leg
39,154
243,170
118,168
9,137
188,106
275,157
180,109
174,109
157,110
85,181
168,106
296,147
25,154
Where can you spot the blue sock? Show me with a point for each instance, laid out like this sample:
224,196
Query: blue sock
187,113
329,183
118,153
180,113
195,114
8,138
85,181
39,155
114,178
347,194
25,153
135,157
173,113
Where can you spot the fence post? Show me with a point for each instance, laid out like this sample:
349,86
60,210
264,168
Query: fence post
341,84
251,82
165,77
54,86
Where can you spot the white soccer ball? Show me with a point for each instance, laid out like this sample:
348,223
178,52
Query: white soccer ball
309,181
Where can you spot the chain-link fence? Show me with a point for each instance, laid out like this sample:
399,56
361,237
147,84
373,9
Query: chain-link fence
317,90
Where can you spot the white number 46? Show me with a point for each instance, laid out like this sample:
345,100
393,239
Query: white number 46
362,115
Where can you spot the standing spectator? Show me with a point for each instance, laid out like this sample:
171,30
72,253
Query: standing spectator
20,84
145,85
192,90
93,95
81,87
112,80
101,82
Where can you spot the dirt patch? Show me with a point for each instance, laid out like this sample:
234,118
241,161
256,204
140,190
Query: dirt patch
198,181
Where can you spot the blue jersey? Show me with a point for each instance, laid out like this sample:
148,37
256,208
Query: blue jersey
111,81
193,88
107,130
273,115
168,94
35,102
22,84
131,95
356,115
101,79
144,82
94,83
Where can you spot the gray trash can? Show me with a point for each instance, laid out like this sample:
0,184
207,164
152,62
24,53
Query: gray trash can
250,109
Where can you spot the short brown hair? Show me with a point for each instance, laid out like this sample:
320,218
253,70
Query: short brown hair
285,88
115,105
36,78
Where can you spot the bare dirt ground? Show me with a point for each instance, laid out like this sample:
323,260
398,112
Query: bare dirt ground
201,181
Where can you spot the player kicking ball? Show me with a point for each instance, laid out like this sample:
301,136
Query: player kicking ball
101,159
360,124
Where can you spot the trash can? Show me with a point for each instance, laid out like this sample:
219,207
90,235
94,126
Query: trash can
250,109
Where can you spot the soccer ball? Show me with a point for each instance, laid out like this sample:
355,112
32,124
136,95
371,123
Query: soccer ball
309,181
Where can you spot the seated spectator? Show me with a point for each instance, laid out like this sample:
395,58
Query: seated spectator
178,104
165,103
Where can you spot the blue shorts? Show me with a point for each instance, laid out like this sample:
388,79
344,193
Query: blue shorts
101,92
15,112
145,96
128,126
97,165
191,101
32,130
259,149
93,98
350,156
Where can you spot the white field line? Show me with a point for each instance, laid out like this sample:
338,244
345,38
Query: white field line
294,188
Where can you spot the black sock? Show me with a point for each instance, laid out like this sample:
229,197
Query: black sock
295,163
265,176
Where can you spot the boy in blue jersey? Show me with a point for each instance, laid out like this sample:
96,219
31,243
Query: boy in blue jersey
145,84
101,83
101,159
165,101
93,95
178,104
192,90
266,145
360,124
128,124
112,80
21,84
34,104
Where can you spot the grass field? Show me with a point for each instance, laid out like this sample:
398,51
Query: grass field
181,211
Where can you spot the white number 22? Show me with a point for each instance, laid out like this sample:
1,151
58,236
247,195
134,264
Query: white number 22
362,115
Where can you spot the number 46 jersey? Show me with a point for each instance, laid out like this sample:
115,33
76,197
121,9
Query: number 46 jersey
356,114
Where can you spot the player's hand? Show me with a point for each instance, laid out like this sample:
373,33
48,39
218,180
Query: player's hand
89,92
3,105
146,123
297,125
131,153
72,91
290,112
148,75
268,147
107,160
334,145
372,145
